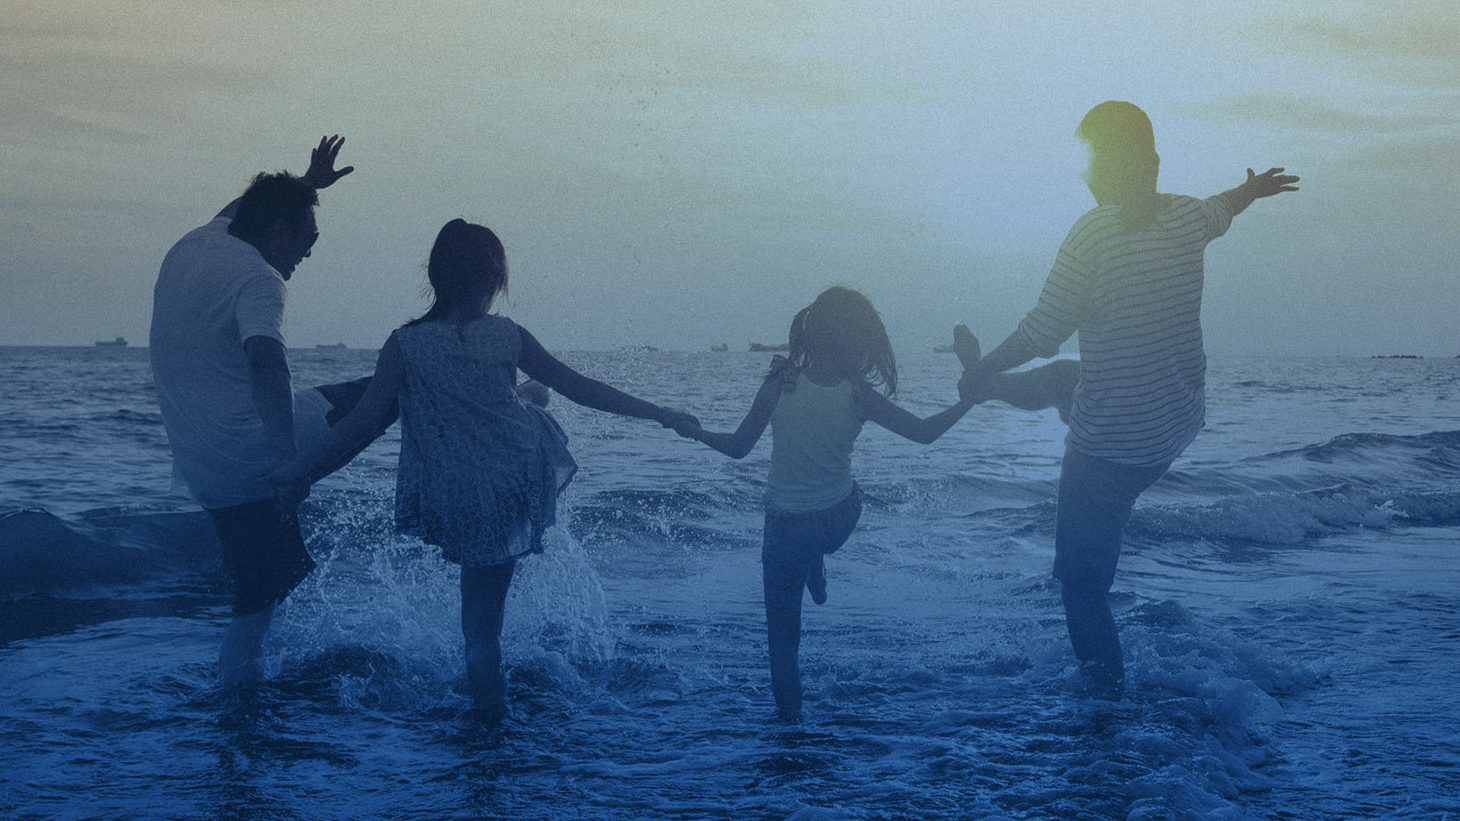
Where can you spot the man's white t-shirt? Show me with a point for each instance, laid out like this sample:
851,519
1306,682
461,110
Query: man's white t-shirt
214,291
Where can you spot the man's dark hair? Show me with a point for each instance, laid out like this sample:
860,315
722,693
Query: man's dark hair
272,197
1118,128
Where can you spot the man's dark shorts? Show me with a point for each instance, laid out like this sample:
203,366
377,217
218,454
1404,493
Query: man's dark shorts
1095,501
793,541
263,551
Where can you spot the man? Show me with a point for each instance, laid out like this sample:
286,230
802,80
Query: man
1128,278
222,376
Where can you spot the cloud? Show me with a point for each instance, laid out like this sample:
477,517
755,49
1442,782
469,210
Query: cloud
1410,45
1434,159
89,86
1428,34
1308,115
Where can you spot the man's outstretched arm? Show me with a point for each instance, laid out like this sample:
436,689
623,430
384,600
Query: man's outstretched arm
1268,183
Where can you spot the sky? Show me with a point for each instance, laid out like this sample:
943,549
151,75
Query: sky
691,173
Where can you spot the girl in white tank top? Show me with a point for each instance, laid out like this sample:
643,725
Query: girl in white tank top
839,373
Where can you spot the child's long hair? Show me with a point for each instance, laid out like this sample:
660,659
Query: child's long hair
842,323
468,267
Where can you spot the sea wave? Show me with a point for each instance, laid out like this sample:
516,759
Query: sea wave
1292,518
1360,446
39,551
1365,481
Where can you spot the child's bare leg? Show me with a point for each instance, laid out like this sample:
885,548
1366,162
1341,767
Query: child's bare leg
1064,375
483,601
1048,386
783,632
534,392
816,579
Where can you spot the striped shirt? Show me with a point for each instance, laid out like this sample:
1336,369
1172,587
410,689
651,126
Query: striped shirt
1135,299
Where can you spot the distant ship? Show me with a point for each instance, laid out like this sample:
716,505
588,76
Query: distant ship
943,349
760,348
720,348
335,347
115,343
1375,356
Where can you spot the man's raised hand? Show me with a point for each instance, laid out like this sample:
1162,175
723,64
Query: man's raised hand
1270,182
322,172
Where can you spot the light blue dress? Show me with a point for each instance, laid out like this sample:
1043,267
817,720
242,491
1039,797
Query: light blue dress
480,472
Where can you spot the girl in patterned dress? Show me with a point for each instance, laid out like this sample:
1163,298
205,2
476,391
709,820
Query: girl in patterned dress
479,471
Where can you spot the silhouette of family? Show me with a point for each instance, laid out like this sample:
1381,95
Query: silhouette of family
482,462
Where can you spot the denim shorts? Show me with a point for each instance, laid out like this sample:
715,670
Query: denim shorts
794,541
263,551
1095,501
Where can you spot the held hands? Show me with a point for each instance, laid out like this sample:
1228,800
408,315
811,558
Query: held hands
1270,182
322,173
684,424
973,385
976,387
688,427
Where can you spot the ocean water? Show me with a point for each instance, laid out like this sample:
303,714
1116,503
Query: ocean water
1289,601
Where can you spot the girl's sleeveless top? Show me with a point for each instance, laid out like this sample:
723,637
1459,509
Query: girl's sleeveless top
479,471
812,431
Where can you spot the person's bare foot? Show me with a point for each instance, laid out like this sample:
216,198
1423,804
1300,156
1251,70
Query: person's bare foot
816,581
965,344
